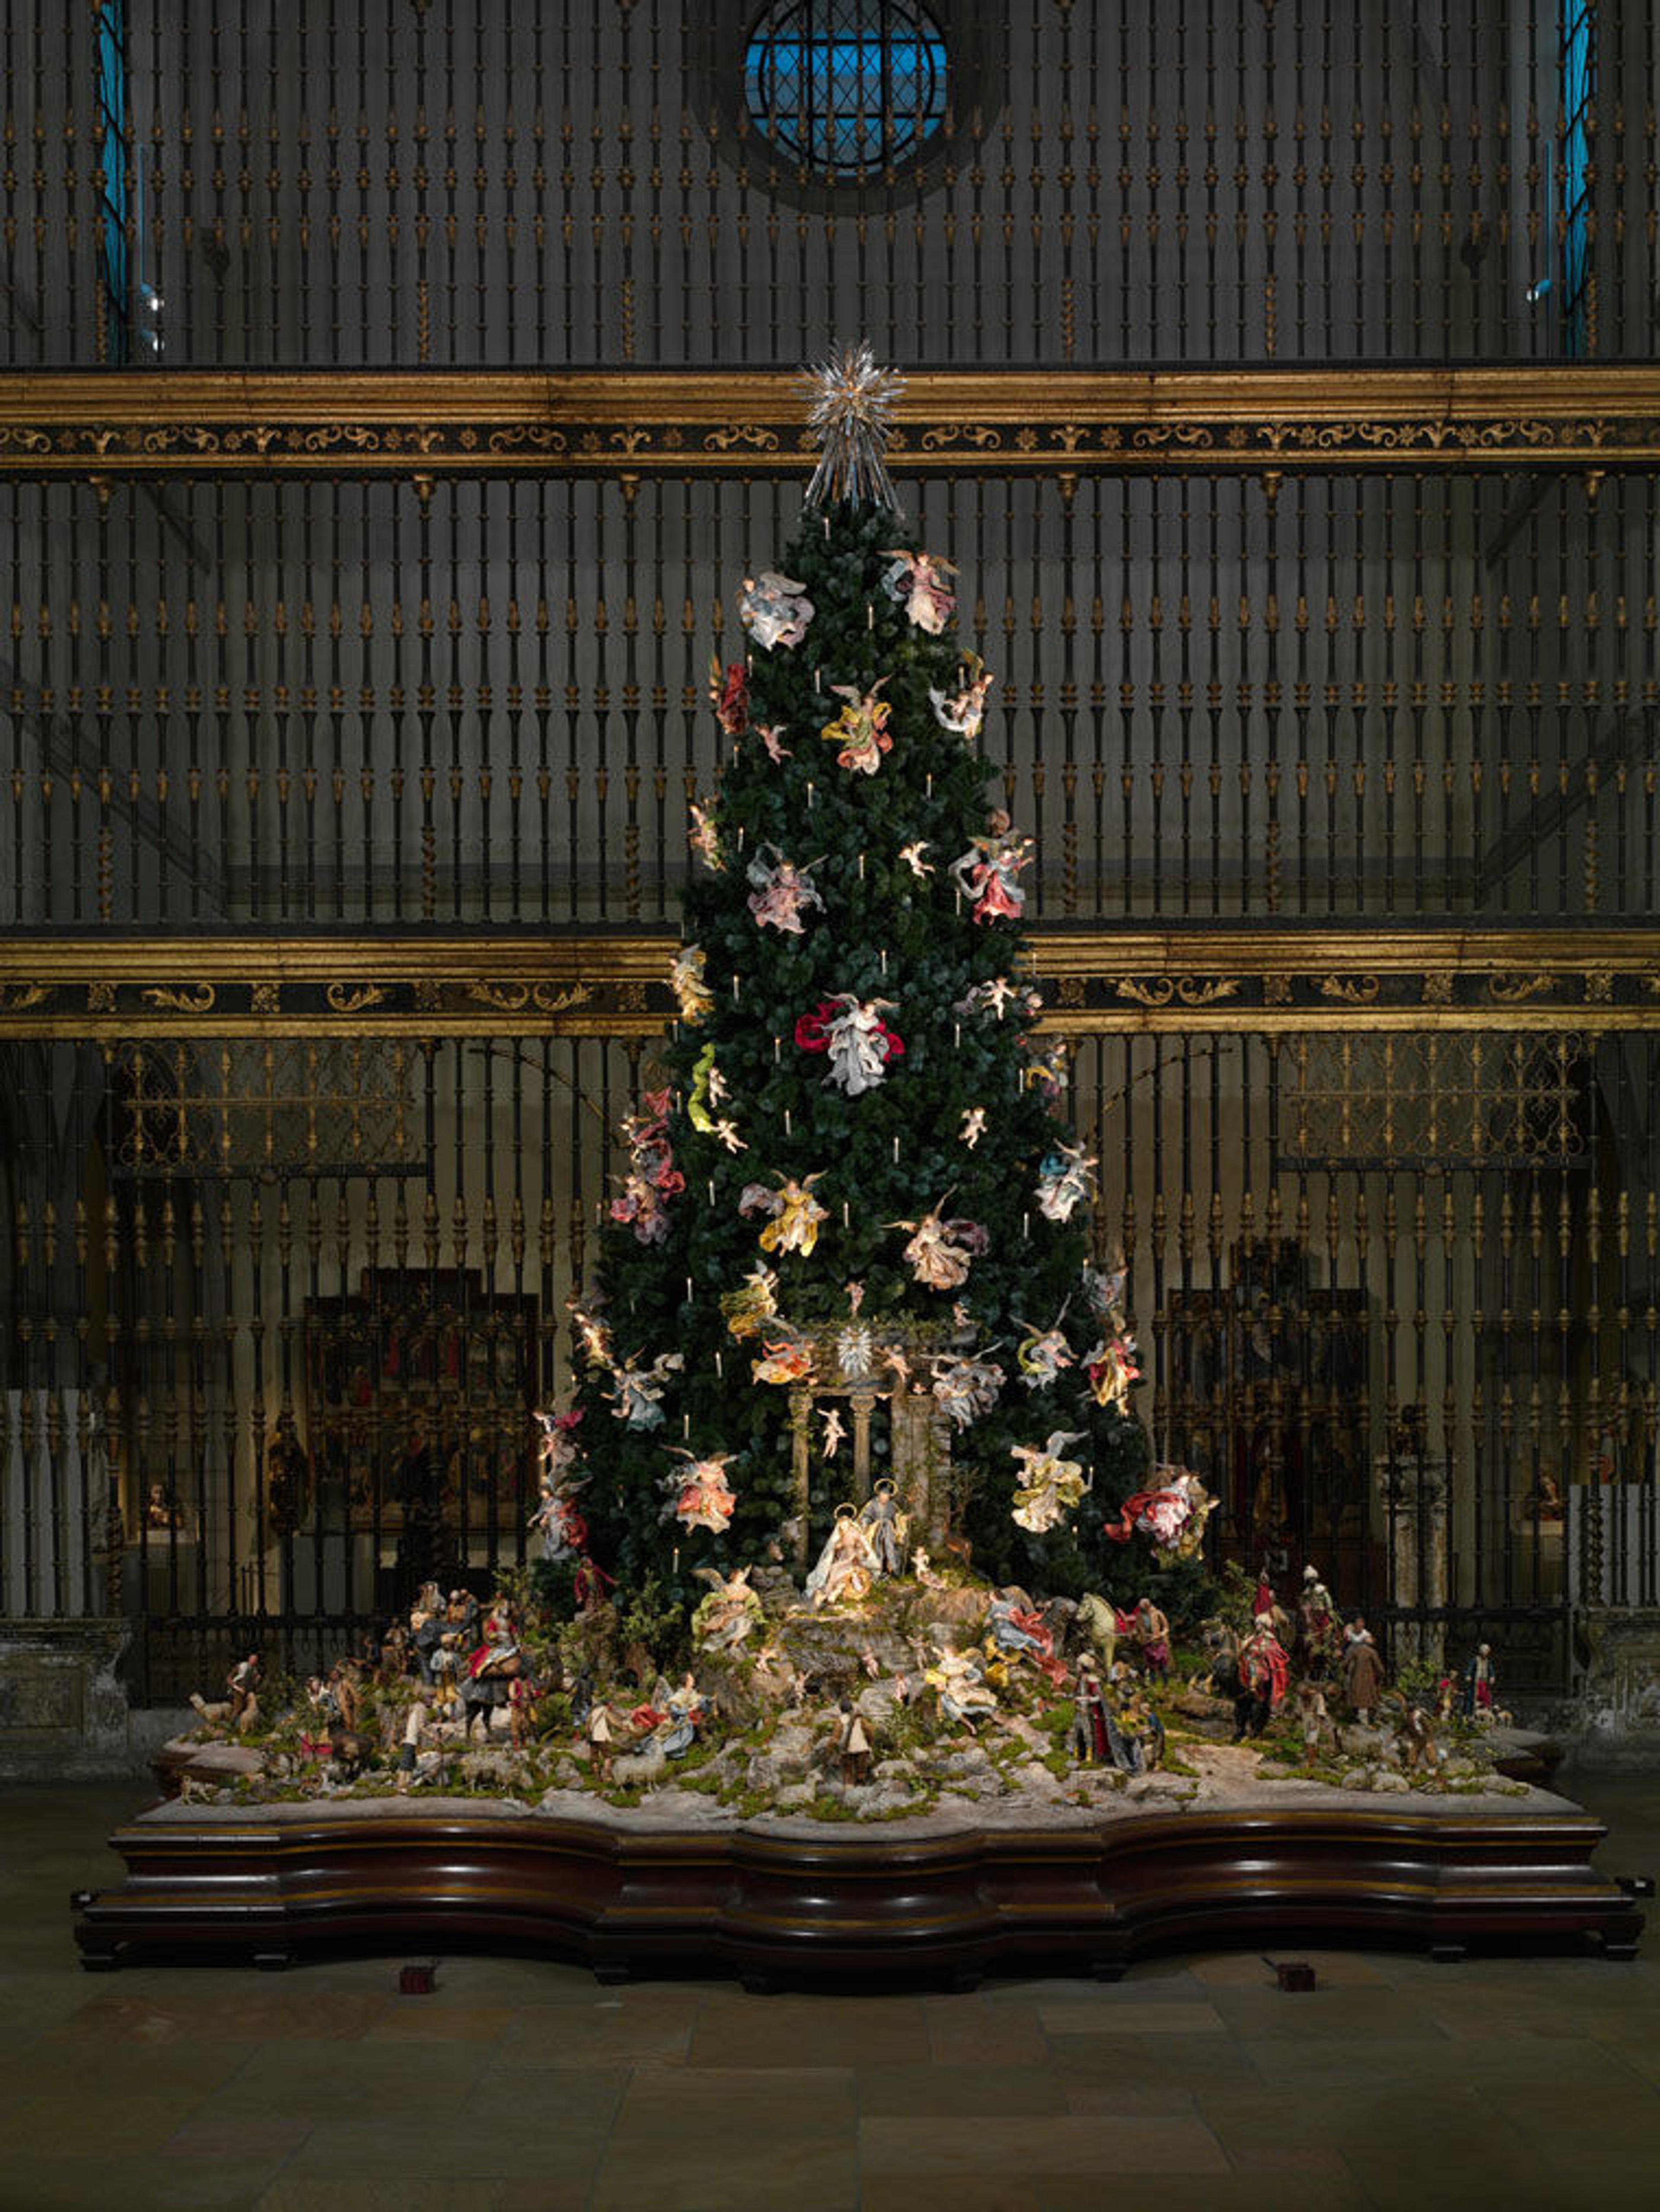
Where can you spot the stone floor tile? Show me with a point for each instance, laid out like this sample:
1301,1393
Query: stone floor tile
736,2175
1233,2191
1075,2143
1364,2117
398,2191
62,2180
955,2192
933,2091
584,2098
434,2019
968,2030
733,2029
705,2107
648,2030
1113,2016
335,2081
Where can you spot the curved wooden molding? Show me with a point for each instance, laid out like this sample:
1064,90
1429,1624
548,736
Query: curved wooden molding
872,1905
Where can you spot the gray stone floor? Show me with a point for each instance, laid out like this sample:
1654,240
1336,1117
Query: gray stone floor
519,2083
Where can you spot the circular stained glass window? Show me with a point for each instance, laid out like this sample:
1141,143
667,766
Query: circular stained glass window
845,88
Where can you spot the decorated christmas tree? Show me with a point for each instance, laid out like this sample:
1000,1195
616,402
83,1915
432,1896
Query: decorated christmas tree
850,1248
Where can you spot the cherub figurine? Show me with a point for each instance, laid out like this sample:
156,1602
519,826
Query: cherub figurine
989,873
1049,1487
773,609
703,1498
974,1126
964,713
941,1251
783,891
859,1042
771,735
912,856
691,994
847,1566
835,1431
796,1214
1064,1181
917,582
860,729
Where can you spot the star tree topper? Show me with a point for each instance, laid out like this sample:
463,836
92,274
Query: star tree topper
851,412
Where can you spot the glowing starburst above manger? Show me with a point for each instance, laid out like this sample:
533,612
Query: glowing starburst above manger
852,413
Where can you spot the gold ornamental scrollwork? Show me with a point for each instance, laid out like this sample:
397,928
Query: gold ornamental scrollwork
1512,990
754,435
1188,990
1599,986
14,997
517,998
1350,990
978,434
352,998
197,998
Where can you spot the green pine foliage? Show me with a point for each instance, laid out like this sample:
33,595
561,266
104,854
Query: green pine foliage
886,1156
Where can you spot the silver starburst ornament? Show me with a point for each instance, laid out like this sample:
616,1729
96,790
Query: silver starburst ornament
853,399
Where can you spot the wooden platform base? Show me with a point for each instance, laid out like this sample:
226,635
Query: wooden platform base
870,1904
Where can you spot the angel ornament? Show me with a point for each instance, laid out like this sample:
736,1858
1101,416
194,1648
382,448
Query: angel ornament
941,1251
1111,1367
729,695
752,1304
786,1359
974,1126
963,711
1049,1487
1064,1181
704,837
835,1431
636,1393
1041,1355
989,873
773,609
692,995
783,891
796,1214
859,1042
860,729
917,582
703,1498
965,1389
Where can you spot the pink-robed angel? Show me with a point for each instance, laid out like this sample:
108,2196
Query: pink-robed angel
782,892
989,873
703,1498
917,582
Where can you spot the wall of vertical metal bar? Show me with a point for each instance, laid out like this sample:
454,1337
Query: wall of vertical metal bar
1342,767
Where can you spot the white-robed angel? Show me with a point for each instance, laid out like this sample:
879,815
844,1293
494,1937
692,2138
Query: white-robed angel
941,1251
859,1042
774,610
965,1389
636,1393
1064,1181
1041,1355
963,711
1049,1487
958,1679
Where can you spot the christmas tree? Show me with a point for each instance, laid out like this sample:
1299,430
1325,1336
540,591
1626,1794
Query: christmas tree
851,1244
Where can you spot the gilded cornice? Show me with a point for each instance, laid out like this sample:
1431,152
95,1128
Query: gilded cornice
1059,422
1289,979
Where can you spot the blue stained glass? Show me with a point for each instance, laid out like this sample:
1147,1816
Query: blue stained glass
1578,21
843,87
